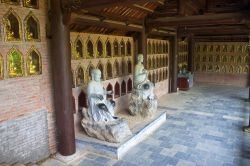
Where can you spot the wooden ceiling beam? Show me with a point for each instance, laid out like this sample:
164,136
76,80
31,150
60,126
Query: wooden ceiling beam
207,19
95,21
100,4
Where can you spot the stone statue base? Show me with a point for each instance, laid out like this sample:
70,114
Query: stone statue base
140,106
114,131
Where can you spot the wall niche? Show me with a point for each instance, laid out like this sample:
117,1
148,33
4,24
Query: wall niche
108,49
32,28
99,48
15,63
79,49
90,49
34,63
80,76
12,26
31,3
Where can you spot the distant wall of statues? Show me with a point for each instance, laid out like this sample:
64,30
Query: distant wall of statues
158,55
231,57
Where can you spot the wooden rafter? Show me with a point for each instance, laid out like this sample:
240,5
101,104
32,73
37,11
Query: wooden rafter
100,4
95,21
200,19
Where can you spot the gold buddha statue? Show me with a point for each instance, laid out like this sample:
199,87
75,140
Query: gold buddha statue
13,69
9,33
29,34
32,67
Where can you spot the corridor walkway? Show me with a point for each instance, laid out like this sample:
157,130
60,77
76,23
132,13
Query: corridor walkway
203,127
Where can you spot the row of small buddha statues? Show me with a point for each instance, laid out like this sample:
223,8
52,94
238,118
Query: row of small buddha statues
223,58
237,69
234,47
12,27
15,64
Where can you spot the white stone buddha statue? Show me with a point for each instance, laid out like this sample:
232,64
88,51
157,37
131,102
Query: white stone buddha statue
141,81
100,109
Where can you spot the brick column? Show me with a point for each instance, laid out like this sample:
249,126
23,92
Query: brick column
60,53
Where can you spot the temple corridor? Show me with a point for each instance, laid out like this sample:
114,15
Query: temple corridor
203,127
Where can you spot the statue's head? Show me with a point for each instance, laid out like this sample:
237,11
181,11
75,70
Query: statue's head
96,75
140,58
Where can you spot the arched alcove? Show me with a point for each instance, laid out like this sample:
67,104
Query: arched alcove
89,69
108,49
154,78
239,60
117,90
197,67
128,48
210,68
246,59
109,70
224,59
238,69
122,44
32,28
124,67
153,48
217,48
31,3
123,88
159,62
99,48
161,49
79,76
15,63
129,86
12,26
1,67
90,49
154,63
217,68
149,48
246,69
82,100
204,68
129,67
34,66
100,67
109,88
166,73
116,69
116,48
149,63
230,69
149,77
79,48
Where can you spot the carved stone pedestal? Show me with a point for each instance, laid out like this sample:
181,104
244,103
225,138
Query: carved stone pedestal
140,106
113,131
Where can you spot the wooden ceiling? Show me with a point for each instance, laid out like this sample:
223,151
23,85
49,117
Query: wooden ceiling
198,17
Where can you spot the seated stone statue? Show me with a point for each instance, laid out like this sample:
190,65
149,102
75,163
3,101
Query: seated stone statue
100,109
142,101
141,82
99,120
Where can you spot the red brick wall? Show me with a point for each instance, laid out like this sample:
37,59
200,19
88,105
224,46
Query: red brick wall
23,95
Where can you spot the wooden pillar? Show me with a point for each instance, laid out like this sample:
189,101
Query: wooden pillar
60,53
191,45
173,64
142,45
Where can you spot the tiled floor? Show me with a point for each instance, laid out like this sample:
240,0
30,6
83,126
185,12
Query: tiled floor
204,127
